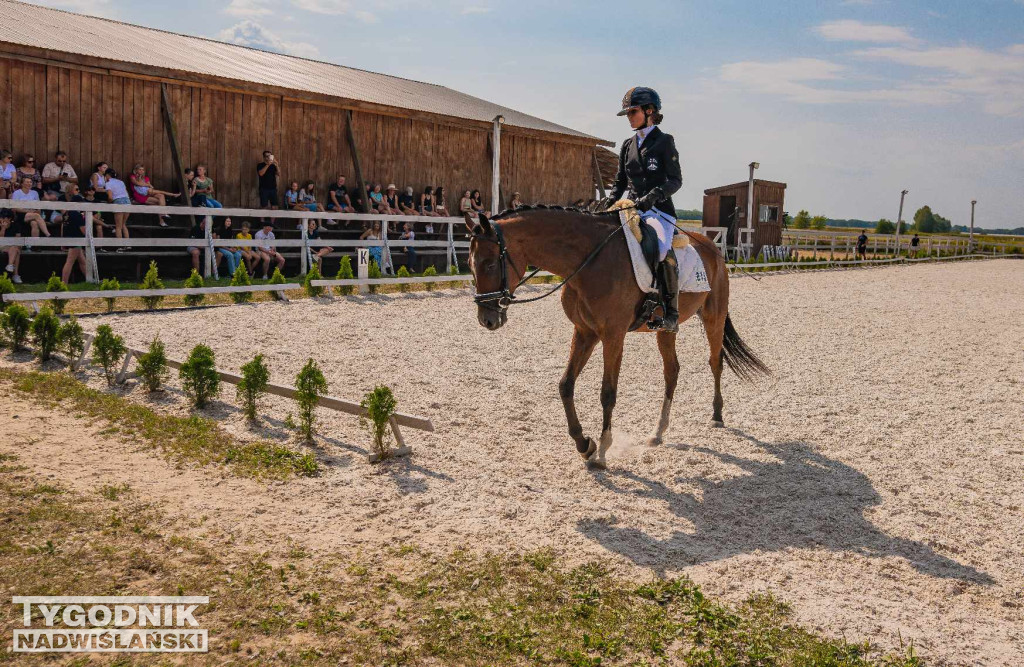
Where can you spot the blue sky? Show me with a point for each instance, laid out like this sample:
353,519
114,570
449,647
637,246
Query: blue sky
848,101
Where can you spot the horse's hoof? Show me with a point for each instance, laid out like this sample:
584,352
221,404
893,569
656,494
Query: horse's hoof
595,464
654,441
717,423
587,449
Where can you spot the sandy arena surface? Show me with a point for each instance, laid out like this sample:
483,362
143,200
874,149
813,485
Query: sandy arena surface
876,482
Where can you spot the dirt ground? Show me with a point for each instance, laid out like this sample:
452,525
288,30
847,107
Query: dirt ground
876,481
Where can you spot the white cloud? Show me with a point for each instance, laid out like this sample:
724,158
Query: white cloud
324,6
855,31
251,33
249,8
98,8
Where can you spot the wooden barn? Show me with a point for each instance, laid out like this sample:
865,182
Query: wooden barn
725,206
103,90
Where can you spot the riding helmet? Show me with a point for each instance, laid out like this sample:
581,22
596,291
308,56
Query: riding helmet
640,97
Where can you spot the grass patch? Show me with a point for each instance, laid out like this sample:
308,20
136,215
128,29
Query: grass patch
405,607
193,439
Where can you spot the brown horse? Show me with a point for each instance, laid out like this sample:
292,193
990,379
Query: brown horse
601,298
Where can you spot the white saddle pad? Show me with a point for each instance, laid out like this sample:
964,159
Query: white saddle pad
692,277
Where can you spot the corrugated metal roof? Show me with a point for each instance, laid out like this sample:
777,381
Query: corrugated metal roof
58,30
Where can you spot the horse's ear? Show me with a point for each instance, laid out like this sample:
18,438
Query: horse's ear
486,224
471,223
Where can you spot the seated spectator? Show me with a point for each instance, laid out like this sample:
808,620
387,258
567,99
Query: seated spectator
74,228
195,199
7,174
317,254
27,169
307,198
377,199
118,194
516,202
99,182
144,193
440,205
291,197
204,186
268,253
427,201
478,203
250,255
406,203
374,234
233,255
9,229
390,206
89,195
338,199
579,203
58,175
466,203
29,218
410,252
198,234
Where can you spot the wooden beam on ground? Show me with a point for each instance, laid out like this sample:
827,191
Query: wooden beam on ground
356,163
172,139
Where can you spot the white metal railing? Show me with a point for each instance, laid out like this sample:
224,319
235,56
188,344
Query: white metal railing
210,244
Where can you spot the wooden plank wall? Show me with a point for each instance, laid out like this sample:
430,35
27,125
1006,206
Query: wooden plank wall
764,233
117,119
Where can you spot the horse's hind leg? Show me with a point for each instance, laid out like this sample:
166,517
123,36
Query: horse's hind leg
583,343
714,328
667,347
609,390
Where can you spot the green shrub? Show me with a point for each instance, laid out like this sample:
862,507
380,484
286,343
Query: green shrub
307,284
15,324
152,281
380,405
45,333
6,287
240,278
345,273
71,340
403,273
55,284
429,271
310,385
454,270
276,278
153,366
373,271
199,376
194,281
109,285
107,350
253,385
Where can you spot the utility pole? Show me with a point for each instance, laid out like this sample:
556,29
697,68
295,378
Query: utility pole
970,242
750,201
899,219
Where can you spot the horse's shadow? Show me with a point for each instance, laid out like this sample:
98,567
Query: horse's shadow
800,500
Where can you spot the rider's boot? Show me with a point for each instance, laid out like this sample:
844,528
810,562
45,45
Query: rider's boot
670,279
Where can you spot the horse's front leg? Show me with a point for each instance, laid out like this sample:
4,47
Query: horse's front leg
609,390
583,343
667,347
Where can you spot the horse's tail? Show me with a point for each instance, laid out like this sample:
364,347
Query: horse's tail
738,356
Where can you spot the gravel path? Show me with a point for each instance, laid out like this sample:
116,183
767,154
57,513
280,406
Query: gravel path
875,482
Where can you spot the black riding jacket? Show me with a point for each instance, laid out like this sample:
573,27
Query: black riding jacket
654,165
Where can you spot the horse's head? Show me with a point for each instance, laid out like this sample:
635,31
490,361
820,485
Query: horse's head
492,272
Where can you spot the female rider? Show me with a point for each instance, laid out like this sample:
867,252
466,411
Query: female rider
649,169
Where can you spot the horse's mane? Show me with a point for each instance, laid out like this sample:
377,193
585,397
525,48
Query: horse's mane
509,212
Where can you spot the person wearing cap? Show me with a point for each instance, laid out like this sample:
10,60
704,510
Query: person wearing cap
406,202
650,172
516,202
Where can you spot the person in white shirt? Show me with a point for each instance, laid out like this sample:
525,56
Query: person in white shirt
29,217
7,173
59,174
117,193
268,253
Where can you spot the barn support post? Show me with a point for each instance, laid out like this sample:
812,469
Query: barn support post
597,173
356,163
172,139
305,259
496,165
210,268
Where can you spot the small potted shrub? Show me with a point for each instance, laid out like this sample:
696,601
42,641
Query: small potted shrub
45,333
345,273
15,324
199,376
372,272
241,278
276,278
430,271
55,284
6,287
403,273
380,406
110,285
71,340
307,284
310,385
253,386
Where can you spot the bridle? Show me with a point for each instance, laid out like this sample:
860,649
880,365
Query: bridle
500,300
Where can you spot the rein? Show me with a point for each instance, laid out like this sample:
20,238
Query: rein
500,301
